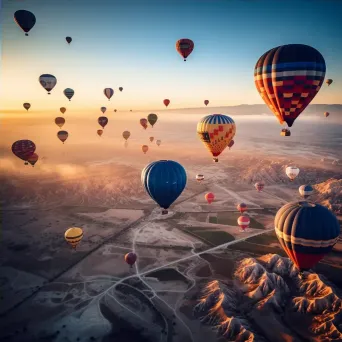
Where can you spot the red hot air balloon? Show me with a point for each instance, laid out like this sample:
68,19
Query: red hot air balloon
130,258
206,102
243,222
259,186
102,120
184,47
143,123
209,197
23,149
242,207
166,102
33,158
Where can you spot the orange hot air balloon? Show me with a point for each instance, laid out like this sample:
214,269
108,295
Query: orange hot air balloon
206,102
166,102
62,110
100,132
144,148
59,121
33,158
184,47
143,122
209,197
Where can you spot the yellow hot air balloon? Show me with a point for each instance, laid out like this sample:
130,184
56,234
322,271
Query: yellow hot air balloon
216,132
73,236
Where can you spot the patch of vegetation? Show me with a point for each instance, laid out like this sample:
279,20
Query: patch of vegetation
215,237
168,274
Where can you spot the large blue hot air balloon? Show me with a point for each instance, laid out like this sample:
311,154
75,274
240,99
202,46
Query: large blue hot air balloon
164,181
306,231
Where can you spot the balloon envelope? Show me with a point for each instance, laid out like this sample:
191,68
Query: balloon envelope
23,149
62,110
243,222
25,20
242,207
109,92
151,139
259,186
103,109
306,190
166,102
143,123
102,120
48,82
326,114
184,47
69,93
99,132
130,258
292,172
209,197
59,121
206,102
158,142
126,134
68,39
27,106
73,236
144,148
329,81
33,158
62,136
152,118
120,88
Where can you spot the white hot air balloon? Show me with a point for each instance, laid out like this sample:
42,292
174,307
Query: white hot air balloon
292,172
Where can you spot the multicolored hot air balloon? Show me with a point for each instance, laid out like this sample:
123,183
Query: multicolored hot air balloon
25,20
184,47
69,93
33,158
288,77
109,92
102,120
23,149
126,135
144,148
103,109
230,145
152,119
292,172
243,222
130,258
307,232
166,102
326,114
164,181
120,88
99,132
306,190
73,236
59,121
48,82
62,110
151,139
329,81
62,136
158,142
206,102
259,186
143,123
216,132
27,106
242,207
68,39
209,197
199,178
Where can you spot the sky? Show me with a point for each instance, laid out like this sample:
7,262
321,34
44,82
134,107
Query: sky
131,43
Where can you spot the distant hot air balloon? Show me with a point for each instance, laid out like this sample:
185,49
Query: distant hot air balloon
33,158
23,149
115,110
152,119
59,121
292,172
306,190
164,181
126,135
99,132
230,145
199,178
27,106
102,120
25,20
288,77
68,39
143,123
209,197
109,92
48,82
73,236
103,109
184,47
307,232
151,139
166,102
62,110
144,148
120,88
62,136
206,102
130,258
243,222
158,142
326,114
259,186
242,207
130,110
216,132
329,81
69,93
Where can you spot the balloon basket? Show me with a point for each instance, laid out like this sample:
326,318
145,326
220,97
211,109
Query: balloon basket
164,212
215,160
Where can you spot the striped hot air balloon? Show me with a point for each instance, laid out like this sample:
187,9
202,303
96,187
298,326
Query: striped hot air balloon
243,222
306,190
109,92
69,93
73,236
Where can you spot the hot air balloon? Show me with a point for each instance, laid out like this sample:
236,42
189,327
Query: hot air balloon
144,148
68,39
62,136
206,102
259,186
329,81
99,132
103,109
62,110
115,110
130,110
306,190
209,197
143,123
243,222
230,145
120,88
164,181
126,135
152,119
59,121
242,207
109,92
326,114
292,172
151,139
73,236
48,82
306,231
184,47
23,149
216,132
130,258
199,178
288,77
166,102
158,142
25,20
33,158
102,120
69,93
27,106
